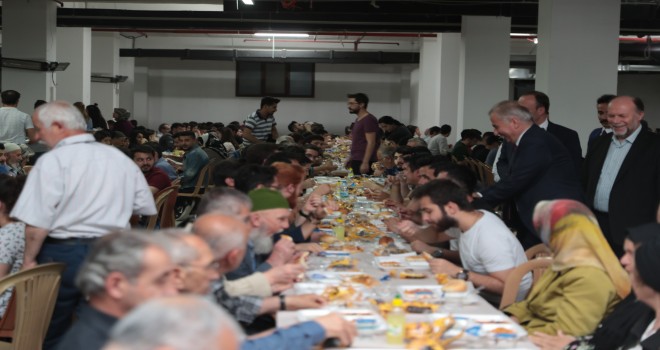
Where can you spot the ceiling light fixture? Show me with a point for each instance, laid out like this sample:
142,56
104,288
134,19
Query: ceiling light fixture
248,2
282,35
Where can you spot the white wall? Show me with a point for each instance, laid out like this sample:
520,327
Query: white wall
179,90
646,87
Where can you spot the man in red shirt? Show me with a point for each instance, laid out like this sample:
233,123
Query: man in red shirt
157,179
364,135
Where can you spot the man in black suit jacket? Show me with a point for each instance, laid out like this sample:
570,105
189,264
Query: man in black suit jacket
540,167
538,105
621,175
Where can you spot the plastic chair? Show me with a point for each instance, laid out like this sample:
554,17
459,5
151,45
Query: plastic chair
512,283
165,201
35,292
538,251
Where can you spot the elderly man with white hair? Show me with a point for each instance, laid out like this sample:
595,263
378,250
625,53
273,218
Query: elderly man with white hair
230,202
122,271
77,192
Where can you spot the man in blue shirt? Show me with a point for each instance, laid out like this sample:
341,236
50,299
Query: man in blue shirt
4,169
193,161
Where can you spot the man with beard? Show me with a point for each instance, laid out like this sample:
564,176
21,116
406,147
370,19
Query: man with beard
270,214
488,249
227,238
364,135
193,161
230,202
157,179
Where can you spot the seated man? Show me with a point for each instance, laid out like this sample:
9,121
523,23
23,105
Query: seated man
385,165
488,249
469,138
122,270
232,203
157,179
193,161
270,215
14,156
4,168
161,163
228,247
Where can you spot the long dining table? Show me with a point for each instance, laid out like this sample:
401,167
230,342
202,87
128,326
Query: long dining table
476,323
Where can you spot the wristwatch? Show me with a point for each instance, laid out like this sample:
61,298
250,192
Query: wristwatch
463,275
437,254
282,302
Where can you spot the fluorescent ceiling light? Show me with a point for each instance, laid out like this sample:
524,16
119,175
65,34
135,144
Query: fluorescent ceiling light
522,34
248,2
283,35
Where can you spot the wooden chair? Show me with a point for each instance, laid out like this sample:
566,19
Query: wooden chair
31,307
165,200
512,283
205,177
538,251
202,180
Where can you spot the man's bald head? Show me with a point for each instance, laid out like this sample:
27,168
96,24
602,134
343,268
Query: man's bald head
222,233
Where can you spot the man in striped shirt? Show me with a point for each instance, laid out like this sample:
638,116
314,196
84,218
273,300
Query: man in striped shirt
260,126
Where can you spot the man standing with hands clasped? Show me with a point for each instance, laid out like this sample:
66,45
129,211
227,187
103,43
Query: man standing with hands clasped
364,135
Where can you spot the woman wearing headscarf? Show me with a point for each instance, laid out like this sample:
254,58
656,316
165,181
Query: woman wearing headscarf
620,329
585,280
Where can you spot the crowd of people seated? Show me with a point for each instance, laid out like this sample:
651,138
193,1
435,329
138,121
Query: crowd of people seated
216,281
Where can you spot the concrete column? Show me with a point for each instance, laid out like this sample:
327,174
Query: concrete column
75,47
31,40
576,59
126,89
404,113
105,61
141,97
484,72
437,81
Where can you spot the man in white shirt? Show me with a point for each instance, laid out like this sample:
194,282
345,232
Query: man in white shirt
438,144
15,126
77,192
488,249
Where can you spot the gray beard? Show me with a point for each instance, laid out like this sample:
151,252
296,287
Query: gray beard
263,243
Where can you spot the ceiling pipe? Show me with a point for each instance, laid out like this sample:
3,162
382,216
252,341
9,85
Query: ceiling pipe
238,32
323,41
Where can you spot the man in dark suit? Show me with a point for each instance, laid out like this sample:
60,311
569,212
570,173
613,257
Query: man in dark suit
621,175
540,167
601,108
538,105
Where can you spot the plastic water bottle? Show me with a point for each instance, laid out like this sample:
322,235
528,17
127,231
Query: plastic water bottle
339,229
396,322
350,173
343,189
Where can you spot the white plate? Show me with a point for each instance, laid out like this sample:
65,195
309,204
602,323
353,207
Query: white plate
437,292
329,277
401,260
434,293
